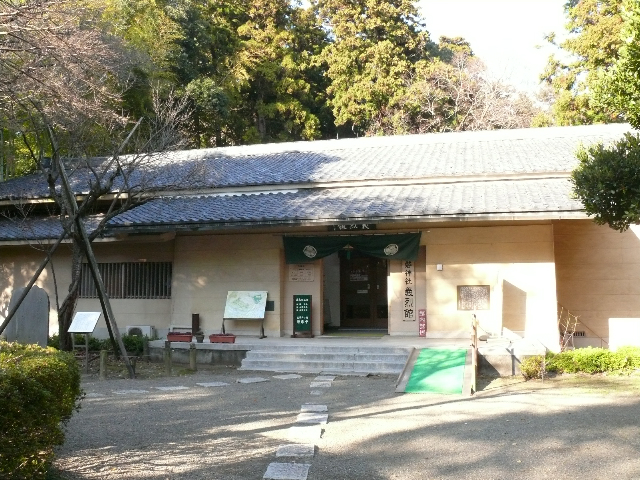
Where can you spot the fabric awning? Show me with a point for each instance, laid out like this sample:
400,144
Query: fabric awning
398,246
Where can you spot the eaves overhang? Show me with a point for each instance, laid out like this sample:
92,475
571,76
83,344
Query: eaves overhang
386,221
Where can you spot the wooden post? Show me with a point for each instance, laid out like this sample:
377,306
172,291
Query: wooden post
167,358
103,364
86,353
192,357
145,348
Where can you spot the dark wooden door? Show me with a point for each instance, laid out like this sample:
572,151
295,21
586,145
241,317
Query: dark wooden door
363,291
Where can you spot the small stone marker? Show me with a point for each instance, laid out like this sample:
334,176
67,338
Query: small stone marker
252,380
296,450
312,417
213,384
320,384
169,389
308,407
128,392
288,376
308,432
30,324
287,471
325,378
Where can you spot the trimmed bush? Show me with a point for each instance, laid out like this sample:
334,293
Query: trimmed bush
39,391
132,343
584,360
531,367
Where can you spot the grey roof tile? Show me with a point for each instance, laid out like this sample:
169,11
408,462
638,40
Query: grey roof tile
38,228
363,203
373,158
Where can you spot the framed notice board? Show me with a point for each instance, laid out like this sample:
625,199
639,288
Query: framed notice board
302,316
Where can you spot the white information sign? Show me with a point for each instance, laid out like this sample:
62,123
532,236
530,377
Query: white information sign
245,305
301,272
84,322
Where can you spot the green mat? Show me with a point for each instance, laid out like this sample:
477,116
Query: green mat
438,370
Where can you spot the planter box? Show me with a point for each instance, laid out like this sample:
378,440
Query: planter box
222,338
179,337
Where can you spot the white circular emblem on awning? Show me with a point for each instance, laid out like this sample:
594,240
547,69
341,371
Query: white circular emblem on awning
309,251
391,249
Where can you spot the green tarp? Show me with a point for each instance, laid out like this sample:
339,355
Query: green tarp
438,370
398,246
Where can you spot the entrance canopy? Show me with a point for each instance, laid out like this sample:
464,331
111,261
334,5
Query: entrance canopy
399,246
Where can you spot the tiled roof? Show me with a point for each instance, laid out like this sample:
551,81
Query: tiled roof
539,196
34,229
442,155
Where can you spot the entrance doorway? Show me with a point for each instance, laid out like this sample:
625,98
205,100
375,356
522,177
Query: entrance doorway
363,291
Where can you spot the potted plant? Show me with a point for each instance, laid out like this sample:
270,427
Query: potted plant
199,336
222,338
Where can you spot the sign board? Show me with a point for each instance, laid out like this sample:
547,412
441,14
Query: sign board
84,322
302,314
422,322
245,305
352,227
409,302
301,272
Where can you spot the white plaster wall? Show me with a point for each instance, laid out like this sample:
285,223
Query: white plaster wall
331,267
520,255
17,265
206,267
598,276
395,292
315,289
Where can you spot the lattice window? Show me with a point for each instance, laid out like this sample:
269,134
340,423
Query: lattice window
144,280
473,297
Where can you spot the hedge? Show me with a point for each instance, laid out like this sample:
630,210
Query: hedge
39,391
584,360
132,343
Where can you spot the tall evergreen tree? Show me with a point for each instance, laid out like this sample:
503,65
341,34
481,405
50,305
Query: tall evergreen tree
619,87
592,45
376,46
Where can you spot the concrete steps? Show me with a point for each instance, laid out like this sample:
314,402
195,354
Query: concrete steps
327,359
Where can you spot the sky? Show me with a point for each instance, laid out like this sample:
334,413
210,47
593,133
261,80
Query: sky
508,35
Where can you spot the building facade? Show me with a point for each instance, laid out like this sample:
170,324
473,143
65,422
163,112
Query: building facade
404,235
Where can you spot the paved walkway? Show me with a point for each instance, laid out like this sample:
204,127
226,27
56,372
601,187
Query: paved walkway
229,424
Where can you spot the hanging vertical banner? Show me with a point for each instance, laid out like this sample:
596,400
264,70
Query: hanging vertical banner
422,322
409,307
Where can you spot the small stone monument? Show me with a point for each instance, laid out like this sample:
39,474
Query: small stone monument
30,324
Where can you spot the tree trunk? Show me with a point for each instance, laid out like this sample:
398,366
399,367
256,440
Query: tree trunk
65,314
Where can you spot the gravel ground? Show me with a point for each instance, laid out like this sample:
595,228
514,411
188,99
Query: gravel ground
556,430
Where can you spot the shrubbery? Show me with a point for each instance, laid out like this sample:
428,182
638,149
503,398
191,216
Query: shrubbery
585,360
39,391
132,343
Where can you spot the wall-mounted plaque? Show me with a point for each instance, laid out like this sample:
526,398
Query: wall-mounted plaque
352,227
473,297
301,272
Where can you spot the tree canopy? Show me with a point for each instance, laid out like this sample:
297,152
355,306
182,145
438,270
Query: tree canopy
618,87
607,180
250,70
592,45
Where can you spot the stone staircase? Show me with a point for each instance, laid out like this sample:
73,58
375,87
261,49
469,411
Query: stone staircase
327,359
